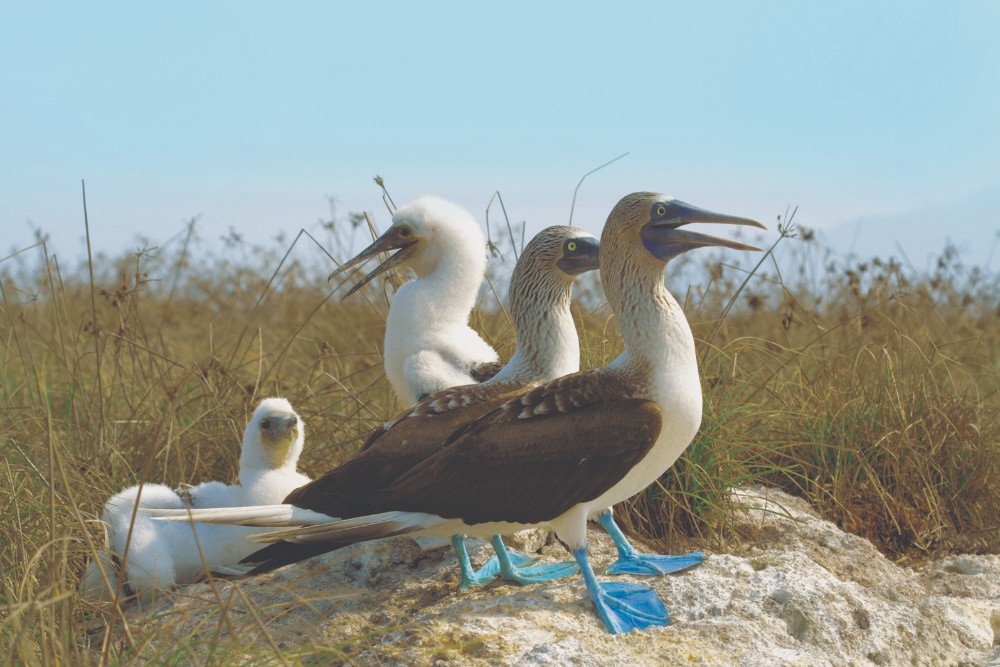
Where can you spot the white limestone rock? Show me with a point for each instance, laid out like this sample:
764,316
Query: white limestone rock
797,592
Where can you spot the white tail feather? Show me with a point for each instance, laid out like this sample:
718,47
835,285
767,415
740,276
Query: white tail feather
359,529
262,516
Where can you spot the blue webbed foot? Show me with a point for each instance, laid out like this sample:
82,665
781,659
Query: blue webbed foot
653,564
623,607
492,569
530,574
626,607
534,574
470,577
631,561
488,572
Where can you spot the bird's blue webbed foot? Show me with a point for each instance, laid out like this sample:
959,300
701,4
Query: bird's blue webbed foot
512,570
631,561
488,572
623,607
653,564
493,568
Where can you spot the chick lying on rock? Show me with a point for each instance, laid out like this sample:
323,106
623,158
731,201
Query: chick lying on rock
161,555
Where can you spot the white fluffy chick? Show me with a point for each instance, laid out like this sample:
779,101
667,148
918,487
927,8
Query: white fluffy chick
162,555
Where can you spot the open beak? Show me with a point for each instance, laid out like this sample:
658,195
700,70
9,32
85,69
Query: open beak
390,240
663,238
586,258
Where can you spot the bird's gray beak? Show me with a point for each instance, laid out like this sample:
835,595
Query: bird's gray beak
390,240
585,258
663,238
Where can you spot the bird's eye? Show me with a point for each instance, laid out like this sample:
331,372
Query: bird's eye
571,246
661,210
265,424
405,231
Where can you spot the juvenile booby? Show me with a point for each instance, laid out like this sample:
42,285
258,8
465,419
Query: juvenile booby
161,555
547,347
573,447
429,345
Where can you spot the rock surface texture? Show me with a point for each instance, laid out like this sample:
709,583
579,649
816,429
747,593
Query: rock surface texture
798,591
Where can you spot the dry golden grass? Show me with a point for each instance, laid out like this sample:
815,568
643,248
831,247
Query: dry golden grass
869,390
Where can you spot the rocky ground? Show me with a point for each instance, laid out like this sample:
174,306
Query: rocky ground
797,591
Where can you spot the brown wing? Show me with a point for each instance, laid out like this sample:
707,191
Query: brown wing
520,465
573,391
351,489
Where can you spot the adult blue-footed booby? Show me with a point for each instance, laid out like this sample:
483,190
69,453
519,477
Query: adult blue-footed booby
154,555
570,448
547,347
429,345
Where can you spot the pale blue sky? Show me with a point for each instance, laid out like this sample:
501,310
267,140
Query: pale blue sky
863,114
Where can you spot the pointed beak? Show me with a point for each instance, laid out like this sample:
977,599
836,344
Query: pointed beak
390,240
586,257
663,238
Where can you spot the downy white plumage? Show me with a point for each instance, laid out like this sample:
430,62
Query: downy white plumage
429,345
157,555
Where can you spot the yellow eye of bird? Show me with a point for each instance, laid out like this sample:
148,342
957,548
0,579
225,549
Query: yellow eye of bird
661,210
571,246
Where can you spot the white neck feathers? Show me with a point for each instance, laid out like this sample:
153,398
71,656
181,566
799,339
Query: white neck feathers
657,337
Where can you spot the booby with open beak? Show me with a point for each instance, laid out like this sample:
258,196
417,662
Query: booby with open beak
429,345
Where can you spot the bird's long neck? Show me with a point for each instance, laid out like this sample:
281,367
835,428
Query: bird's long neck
252,466
445,295
256,459
252,454
659,346
547,343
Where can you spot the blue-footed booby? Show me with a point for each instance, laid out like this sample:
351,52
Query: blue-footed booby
568,449
154,555
547,347
429,345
